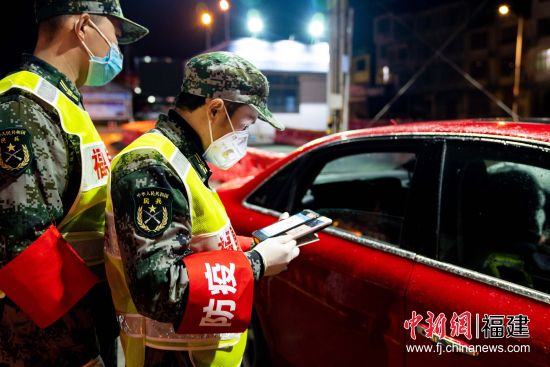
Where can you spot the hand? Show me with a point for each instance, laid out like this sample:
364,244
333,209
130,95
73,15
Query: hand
276,253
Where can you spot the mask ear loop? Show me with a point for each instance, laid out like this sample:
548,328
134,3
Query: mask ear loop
229,118
94,26
210,128
210,124
82,41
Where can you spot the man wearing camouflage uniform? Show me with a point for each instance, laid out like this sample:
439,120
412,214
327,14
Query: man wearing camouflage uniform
53,175
181,283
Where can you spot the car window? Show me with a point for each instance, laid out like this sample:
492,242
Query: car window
365,194
495,214
276,191
381,189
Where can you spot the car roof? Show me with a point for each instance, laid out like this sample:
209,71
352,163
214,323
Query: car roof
522,131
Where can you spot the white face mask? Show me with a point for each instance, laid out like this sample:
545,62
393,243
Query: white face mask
227,150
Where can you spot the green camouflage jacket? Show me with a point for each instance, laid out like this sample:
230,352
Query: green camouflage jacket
29,200
155,272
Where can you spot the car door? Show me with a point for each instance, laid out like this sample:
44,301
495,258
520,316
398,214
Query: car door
341,302
484,296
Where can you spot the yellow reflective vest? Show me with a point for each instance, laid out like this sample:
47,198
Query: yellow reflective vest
83,226
209,223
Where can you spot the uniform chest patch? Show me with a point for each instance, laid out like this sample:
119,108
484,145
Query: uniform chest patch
15,150
153,211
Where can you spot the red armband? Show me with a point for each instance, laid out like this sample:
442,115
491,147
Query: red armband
245,243
221,287
47,279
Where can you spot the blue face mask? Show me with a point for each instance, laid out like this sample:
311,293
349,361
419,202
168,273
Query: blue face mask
102,70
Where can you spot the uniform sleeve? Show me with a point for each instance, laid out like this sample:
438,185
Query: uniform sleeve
153,264
153,248
33,173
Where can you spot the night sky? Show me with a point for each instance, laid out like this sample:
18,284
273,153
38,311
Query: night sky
176,31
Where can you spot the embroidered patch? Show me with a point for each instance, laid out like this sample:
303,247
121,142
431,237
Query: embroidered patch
15,150
153,211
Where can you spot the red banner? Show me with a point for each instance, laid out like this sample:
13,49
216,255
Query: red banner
221,287
47,279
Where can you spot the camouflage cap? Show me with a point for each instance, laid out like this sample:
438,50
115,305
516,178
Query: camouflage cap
228,76
131,31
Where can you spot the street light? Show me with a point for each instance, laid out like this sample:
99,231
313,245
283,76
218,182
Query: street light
317,26
255,23
504,10
206,20
224,7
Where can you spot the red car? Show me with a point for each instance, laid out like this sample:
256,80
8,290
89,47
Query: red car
439,251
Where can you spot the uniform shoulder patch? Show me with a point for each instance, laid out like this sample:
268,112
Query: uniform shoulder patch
152,211
15,150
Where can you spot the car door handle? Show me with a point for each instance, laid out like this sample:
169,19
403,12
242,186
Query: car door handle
458,345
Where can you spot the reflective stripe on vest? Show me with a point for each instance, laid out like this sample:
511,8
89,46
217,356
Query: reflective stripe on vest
211,230
83,226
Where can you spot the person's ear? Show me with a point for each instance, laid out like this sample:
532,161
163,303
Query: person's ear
80,25
214,109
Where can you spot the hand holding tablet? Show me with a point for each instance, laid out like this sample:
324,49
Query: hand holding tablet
301,227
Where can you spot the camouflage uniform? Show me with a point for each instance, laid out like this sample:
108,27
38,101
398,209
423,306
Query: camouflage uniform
40,193
28,203
157,277
155,272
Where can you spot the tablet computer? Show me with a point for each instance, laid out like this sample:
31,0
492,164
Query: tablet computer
300,227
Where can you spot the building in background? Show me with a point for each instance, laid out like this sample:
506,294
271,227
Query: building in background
366,92
538,58
485,49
